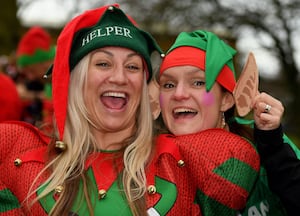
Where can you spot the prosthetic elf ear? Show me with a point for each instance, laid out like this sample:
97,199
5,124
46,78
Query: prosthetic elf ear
154,98
246,87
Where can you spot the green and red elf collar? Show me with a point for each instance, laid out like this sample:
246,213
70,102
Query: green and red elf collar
206,51
105,26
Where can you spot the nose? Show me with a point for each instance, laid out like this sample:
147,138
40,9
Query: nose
181,92
118,75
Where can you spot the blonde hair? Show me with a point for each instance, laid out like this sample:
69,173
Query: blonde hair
67,168
137,153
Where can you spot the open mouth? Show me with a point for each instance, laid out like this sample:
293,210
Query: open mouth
184,112
114,100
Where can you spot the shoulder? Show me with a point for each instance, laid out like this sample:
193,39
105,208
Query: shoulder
20,128
18,137
216,139
221,164
23,153
218,145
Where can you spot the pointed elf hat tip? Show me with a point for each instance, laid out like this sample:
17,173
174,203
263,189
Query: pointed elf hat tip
104,26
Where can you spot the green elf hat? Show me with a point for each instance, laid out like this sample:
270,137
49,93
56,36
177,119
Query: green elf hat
104,26
35,47
206,51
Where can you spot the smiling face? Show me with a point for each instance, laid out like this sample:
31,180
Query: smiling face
113,90
185,104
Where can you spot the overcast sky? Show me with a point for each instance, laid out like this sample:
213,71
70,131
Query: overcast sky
52,13
44,12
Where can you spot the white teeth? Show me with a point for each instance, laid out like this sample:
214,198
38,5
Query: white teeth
114,94
181,110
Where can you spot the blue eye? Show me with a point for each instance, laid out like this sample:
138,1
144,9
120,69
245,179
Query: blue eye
133,67
168,85
102,64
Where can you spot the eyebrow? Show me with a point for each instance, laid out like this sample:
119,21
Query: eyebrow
166,75
104,51
111,54
189,73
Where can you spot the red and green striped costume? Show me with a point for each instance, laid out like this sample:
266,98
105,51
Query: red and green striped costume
221,175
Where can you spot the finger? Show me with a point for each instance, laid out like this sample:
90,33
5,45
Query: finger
268,99
267,108
267,122
263,107
269,114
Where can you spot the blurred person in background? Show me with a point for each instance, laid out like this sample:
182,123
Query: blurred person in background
10,102
34,55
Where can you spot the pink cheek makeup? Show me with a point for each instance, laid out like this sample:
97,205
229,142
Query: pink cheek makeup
161,100
208,98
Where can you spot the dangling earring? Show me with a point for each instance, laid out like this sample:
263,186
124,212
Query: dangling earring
223,122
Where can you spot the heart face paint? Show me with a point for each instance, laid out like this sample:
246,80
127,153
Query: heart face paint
208,98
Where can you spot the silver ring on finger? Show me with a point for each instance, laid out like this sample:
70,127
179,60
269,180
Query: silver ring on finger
268,108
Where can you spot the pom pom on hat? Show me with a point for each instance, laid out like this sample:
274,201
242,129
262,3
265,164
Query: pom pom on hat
206,51
104,26
35,47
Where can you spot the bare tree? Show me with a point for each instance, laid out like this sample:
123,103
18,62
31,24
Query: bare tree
9,27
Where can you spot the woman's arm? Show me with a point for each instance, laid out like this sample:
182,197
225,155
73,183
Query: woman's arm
282,166
277,155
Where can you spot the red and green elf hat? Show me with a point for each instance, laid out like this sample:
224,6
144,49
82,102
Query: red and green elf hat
206,51
35,47
105,26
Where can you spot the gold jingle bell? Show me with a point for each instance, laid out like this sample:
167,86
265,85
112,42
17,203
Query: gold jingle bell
151,189
102,193
180,163
59,189
60,145
18,162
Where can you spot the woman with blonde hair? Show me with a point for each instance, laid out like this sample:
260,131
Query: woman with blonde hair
103,126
